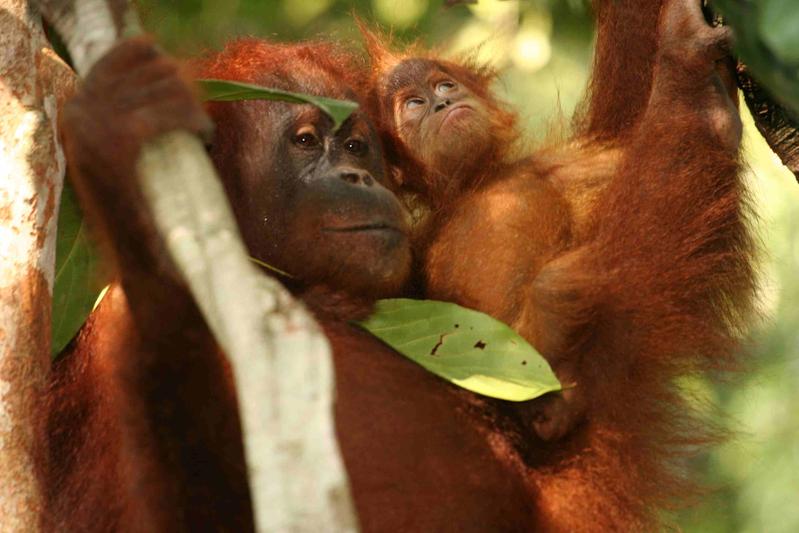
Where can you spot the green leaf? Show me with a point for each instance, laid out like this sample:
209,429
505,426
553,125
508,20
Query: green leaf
229,91
78,278
771,58
468,348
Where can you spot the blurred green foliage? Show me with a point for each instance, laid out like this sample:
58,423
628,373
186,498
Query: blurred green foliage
544,50
767,39
78,273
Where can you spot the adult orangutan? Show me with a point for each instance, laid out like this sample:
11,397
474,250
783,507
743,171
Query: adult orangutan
141,424
623,254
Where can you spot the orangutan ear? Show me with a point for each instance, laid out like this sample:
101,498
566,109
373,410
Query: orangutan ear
397,176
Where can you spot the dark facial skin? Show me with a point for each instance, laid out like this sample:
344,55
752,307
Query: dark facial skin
433,103
439,119
313,200
141,415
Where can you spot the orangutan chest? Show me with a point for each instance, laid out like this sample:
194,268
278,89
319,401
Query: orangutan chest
474,262
486,252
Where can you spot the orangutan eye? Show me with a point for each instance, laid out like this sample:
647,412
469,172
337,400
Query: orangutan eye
306,139
414,102
355,146
446,86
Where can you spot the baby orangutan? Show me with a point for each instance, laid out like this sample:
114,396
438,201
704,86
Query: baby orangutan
623,255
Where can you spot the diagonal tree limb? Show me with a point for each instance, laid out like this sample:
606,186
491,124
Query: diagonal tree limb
280,358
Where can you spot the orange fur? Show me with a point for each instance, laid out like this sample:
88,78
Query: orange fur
142,420
623,255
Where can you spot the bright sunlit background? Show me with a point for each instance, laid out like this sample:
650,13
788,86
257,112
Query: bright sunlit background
544,49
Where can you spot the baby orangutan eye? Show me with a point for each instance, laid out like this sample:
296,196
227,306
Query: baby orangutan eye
413,103
446,86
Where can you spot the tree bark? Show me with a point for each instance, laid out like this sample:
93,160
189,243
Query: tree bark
32,81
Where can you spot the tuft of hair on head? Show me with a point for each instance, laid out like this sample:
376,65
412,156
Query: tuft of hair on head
315,64
376,44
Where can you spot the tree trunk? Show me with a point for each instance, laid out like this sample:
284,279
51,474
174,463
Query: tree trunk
31,176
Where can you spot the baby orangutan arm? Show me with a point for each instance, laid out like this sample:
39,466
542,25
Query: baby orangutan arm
666,279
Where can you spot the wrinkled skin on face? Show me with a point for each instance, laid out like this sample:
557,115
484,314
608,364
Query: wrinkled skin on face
434,112
446,121
311,200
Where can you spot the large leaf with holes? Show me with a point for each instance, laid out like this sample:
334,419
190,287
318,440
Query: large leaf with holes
468,348
78,278
227,91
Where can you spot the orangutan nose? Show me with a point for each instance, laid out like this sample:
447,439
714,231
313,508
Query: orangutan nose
442,105
357,177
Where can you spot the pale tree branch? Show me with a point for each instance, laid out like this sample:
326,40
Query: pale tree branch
280,358
32,82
